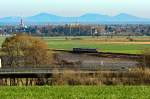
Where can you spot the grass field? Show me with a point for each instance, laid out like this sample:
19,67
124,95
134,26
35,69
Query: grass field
115,44
76,92
119,45
120,48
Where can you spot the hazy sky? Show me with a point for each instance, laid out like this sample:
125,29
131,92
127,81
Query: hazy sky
74,7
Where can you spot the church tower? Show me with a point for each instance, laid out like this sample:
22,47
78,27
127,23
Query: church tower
21,23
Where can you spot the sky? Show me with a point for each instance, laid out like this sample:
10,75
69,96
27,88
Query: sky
23,8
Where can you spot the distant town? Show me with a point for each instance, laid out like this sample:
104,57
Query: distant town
76,29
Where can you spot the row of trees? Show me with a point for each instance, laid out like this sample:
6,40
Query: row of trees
78,29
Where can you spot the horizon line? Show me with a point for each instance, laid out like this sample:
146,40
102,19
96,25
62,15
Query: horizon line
74,16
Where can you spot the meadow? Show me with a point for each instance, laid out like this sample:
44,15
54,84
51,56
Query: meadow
76,92
118,44
104,44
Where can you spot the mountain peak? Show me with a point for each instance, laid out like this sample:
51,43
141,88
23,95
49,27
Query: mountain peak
44,14
125,16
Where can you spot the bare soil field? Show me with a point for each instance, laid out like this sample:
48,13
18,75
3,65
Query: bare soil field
92,61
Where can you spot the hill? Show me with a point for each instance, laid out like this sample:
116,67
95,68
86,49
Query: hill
43,18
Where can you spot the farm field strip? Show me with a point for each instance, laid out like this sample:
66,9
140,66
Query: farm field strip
76,92
104,46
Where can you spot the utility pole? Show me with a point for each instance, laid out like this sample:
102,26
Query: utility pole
70,30
79,30
92,31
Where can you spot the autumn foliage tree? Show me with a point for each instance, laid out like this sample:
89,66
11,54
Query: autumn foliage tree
24,50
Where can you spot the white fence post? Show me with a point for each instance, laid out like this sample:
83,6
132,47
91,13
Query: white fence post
0,63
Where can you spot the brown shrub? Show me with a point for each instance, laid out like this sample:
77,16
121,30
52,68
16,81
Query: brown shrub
133,77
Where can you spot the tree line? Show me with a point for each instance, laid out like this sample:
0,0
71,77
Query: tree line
78,30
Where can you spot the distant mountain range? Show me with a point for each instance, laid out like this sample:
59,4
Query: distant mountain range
90,18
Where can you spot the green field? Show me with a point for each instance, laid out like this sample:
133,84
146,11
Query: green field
61,43
76,92
102,43
120,48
